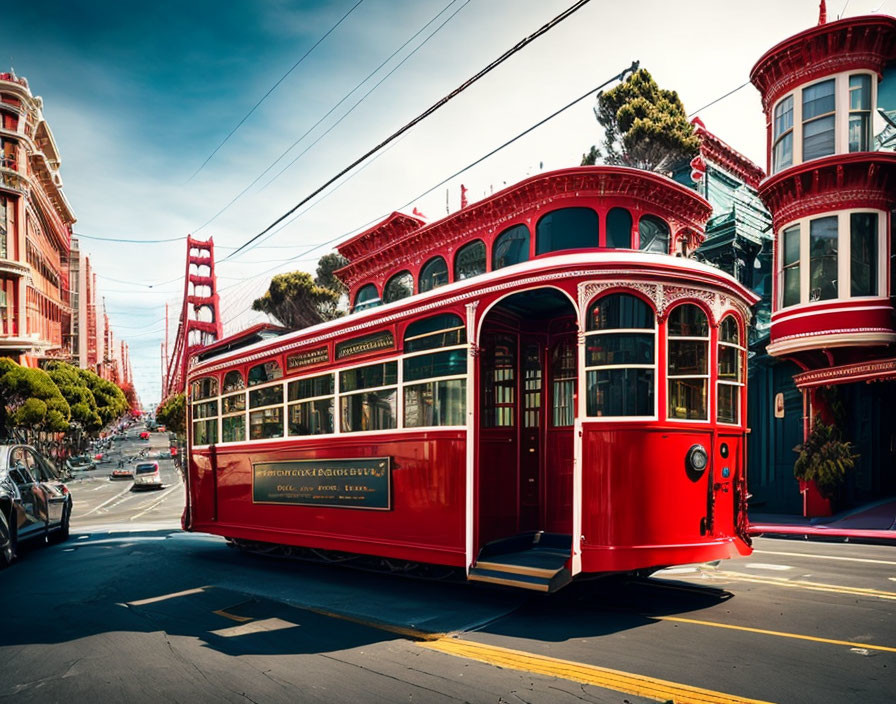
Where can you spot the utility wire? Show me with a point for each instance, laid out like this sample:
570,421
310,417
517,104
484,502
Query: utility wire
730,92
333,109
122,239
273,88
426,113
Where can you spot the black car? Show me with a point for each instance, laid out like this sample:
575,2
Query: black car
34,501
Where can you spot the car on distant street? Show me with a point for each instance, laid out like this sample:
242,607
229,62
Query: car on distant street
35,503
147,476
80,463
122,472
144,435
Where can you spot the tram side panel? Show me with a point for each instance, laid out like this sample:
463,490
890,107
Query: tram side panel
423,521
643,507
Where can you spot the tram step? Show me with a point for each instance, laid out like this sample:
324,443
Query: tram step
528,561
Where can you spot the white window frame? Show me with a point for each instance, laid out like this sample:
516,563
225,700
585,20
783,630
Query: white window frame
741,367
402,384
290,404
710,406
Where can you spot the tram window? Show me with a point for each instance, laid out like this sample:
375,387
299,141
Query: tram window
263,373
730,380
511,247
233,381
205,432
433,274
469,260
313,417
311,387
427,366
234,403
367,297
619,229
653,234
435,403
266,423
369,410
499,382
267,396
688,365
443,330
369,377
206,387
205,410
567,228
620,346
563,383
233,428
399,286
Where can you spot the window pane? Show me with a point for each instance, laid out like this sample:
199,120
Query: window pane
261,373
783,116
205,432
511,247
818,99
433,274
688,321
233,429
619,348
205,388
620,310
619,228
859,132
823,259
311,417
792,245
653,234
863,254
818,138
469,260
688,357
441,330
427,366
791,286
369,377
783,156
371,410
569,228
399,286
311,387
435,403
729,363
233,381
620,392
687,399
860,92
728,331
205,410
266,396
266,424
232,404
729,401
367,297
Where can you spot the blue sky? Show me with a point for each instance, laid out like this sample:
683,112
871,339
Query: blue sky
139,94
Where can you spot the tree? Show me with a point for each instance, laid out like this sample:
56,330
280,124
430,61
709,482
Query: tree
327,266
644,126
32,405
77,394
110,401
825,458
297,301
172,413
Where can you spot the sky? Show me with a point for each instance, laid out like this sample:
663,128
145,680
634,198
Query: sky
139,95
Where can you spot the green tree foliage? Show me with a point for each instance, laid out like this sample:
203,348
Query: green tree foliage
172,413
824,458
80,398
645,126
297,301
110,400
31,403
326,277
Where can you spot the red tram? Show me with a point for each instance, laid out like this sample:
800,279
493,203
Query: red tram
540,385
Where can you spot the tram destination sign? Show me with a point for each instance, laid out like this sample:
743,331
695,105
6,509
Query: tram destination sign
306,359
368,343
345,483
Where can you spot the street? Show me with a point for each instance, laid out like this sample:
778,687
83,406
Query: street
131,609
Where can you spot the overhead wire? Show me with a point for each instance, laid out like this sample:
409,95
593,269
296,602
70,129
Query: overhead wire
273,88
422,116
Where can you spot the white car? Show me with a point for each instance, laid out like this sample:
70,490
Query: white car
146,474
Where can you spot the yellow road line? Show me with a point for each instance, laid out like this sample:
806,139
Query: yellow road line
825,557
780,634
232,617
175,595
799,584
627,683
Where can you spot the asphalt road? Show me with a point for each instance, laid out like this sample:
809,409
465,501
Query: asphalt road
131,609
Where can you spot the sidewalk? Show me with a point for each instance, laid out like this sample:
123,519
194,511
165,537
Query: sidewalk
872,523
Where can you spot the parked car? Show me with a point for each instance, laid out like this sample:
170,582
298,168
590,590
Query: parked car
147,475
80,463
122,472
35,503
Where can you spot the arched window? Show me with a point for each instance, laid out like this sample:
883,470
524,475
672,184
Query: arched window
653,233
433,274
205,413
367,297
567,228
511,247
619,229
620,357
470,260
435,383
688,369
443,330
731,364
207,387
262,373
233,381
399,286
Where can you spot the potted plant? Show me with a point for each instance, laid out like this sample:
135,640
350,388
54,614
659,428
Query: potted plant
821,467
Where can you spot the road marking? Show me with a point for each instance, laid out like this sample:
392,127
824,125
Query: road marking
152,506
799,584
262,626
107,501
826,557
625,682
174,595
232,617
767,566
780,634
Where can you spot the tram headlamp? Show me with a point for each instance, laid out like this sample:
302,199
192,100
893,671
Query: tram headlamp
696,460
